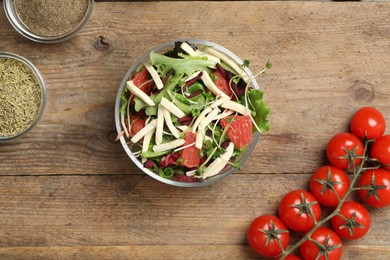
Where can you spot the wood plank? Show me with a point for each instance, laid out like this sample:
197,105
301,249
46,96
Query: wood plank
172,252
329,60
132,210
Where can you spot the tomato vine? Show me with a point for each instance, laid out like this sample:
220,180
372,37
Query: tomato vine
356,172
299,210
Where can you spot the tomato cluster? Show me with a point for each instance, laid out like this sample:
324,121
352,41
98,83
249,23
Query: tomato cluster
359,160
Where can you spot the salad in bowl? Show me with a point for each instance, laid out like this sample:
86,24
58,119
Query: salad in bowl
189,112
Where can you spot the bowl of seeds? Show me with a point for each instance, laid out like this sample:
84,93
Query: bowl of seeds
48,21
22,96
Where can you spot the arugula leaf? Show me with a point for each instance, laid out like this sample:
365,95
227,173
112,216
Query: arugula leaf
226,67
139,104
151,111
150,154
188,107
261,110
184,65
172,82
194,87
196,112
183,107
183,99
124,100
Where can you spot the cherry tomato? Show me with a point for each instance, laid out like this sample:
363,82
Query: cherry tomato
222,83
328,184
337,146
298,209
354,221
326,238
239,130
190,155
381,151
368,122
141,79
375,187
136,124
264,233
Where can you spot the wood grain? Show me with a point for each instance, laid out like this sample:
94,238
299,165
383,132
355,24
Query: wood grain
68,191
329,60
132,210
174,252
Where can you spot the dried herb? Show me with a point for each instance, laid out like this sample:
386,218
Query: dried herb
51,17
20,97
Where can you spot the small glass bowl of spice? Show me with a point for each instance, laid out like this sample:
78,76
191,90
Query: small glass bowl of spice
22,96
48,21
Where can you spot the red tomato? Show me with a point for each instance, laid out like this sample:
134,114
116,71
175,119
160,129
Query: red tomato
328,184
337,146
136,124
239,130
140,80
353,222
222,83
169,159
190,155
375,187
328,239
368,122
381,151
264,233
298,209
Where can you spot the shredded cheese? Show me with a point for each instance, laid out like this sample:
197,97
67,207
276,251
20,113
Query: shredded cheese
224,114
230,62
199,140
172,108
218,164
139,93
187,48
218,102
236,107
211,86
156,78
169,123
200,118
146,142
208,119
160,125
193,76
141,133
168,146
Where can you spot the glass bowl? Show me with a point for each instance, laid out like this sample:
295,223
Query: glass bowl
172,181
42,86
20,27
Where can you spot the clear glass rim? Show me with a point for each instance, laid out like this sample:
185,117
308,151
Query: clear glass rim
205,182
23,30
42,85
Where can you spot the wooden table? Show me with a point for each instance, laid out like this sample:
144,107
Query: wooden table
68,190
